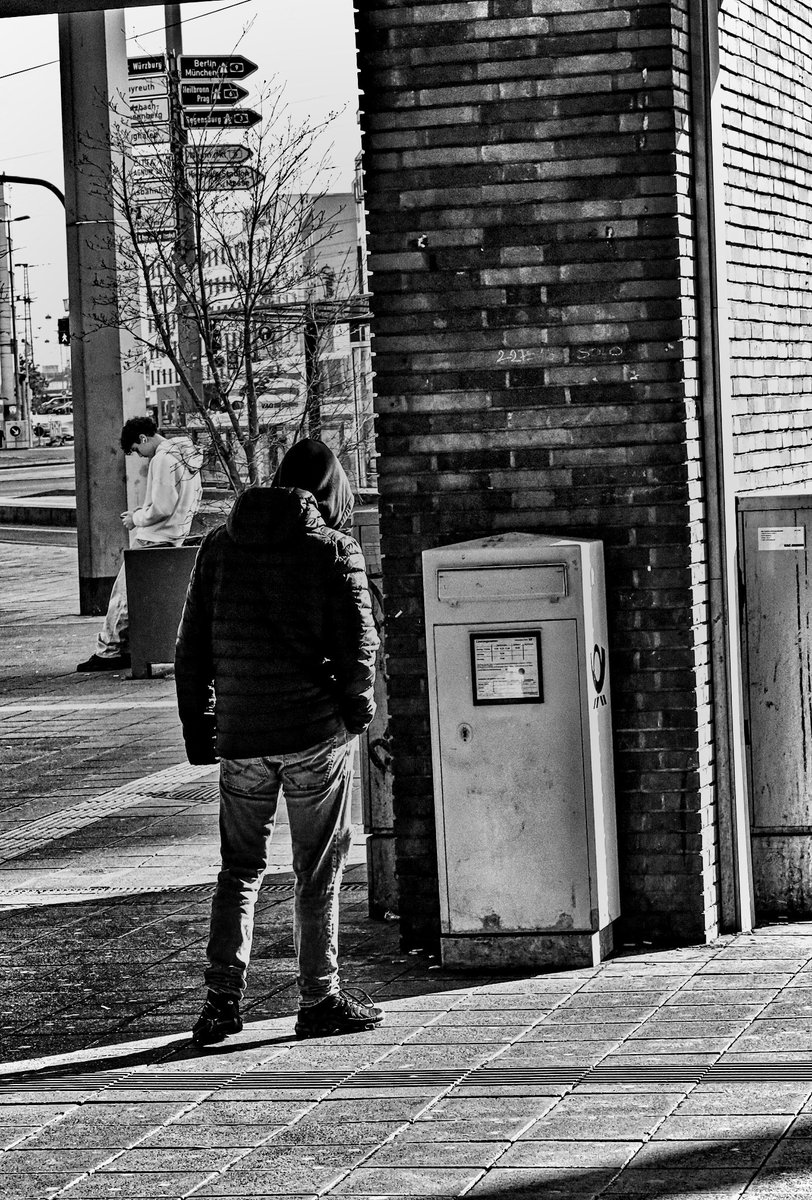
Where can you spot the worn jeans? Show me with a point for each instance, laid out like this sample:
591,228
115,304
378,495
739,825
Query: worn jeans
317,785
114,639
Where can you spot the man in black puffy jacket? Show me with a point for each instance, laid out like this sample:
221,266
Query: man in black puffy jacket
274,669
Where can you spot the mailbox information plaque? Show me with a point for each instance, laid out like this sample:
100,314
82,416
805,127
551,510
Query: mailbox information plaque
506,667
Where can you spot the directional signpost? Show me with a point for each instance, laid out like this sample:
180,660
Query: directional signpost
150,111
206,94
228,179
149,85
150,166
241,118
215,66
149,135
220,154
154,64
206,85
150,189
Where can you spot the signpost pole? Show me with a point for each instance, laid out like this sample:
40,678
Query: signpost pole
185,243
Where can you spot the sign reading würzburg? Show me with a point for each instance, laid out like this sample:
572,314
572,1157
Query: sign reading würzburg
152,65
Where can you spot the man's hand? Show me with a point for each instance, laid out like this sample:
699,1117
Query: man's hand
127,520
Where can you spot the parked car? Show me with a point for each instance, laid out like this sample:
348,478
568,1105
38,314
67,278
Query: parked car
56,404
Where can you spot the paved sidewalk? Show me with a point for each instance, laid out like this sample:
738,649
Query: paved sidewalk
662,1073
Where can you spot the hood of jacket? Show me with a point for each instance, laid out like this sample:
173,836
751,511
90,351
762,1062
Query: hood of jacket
186,452
271,516
312,467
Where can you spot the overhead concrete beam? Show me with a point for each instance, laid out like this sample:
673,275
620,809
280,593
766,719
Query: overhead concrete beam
38,8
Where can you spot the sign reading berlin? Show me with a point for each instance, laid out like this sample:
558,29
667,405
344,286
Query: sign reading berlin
215,66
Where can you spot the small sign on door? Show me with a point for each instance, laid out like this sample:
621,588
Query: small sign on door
782,537
506,667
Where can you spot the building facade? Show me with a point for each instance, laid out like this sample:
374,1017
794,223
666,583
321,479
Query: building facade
560,195
589,275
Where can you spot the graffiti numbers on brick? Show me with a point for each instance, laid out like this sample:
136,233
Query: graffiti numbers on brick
515,358
600,353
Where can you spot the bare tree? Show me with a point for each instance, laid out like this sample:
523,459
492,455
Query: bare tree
225,247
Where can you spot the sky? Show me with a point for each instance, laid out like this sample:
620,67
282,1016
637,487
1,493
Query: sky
307,46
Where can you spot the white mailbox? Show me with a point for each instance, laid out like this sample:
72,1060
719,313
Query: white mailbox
518,680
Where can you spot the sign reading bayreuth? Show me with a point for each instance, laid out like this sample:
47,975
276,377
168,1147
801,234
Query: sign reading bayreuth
215,66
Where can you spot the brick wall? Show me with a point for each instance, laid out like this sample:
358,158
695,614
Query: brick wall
529,227
766,47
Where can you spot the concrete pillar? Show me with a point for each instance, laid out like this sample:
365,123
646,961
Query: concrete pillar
107,388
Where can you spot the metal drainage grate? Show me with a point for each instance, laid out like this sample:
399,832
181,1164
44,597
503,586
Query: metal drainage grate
480,1077
130,893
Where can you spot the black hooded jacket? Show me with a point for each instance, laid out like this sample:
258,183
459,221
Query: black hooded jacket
277,627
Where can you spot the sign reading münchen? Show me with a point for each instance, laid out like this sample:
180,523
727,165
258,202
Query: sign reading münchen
215,66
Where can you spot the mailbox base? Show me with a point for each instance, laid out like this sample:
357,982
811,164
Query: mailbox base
553,951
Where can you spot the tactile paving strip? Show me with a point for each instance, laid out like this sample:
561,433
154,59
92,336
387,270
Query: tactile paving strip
441,1080
163,784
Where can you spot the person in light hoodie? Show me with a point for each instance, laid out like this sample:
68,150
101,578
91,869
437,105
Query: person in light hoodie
171,500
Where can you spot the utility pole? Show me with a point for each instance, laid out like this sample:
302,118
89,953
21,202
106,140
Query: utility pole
314,384
185,249
16,421
6,354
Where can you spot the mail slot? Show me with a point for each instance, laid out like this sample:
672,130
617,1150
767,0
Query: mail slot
520,709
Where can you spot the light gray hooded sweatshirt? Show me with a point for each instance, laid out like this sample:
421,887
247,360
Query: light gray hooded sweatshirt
173,493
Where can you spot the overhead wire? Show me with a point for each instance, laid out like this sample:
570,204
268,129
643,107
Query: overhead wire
135,37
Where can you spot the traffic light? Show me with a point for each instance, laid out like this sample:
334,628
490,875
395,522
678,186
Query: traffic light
63,331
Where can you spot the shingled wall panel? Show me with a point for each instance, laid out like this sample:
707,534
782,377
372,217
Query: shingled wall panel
766,48
529,222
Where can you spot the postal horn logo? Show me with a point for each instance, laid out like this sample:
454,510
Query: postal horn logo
599,675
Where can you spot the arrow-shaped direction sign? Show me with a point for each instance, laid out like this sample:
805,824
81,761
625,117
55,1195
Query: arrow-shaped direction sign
227,179
206,94
150,190
241,118
149,166
215,66
145,112
219,154
152,65
150,85
149,135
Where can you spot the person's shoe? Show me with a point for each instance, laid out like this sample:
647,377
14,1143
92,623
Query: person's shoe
96,663
219,1018
342,1013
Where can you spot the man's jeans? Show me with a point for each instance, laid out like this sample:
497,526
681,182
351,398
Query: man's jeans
113,639
317,785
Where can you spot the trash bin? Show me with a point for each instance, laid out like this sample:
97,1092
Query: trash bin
521,739
156,589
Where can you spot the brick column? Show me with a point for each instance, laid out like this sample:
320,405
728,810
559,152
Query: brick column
530,241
